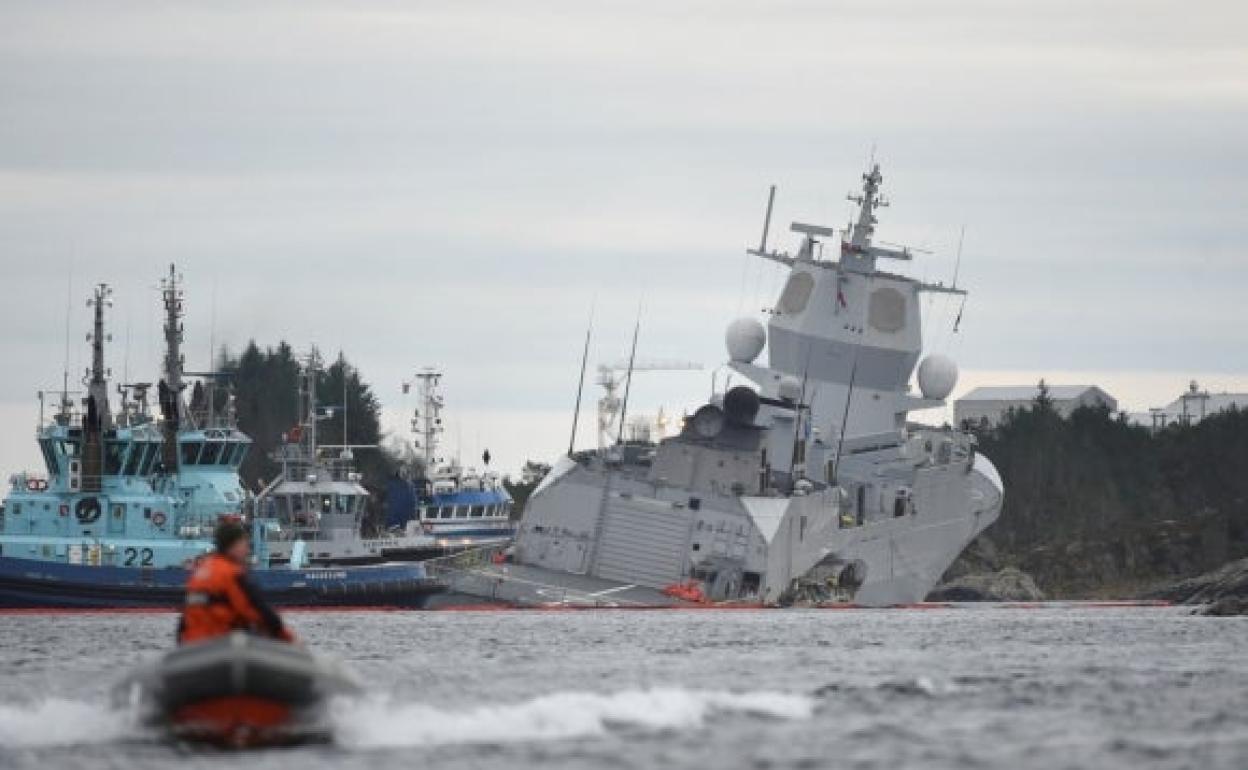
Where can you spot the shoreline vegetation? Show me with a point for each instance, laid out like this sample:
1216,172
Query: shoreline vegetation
1099,508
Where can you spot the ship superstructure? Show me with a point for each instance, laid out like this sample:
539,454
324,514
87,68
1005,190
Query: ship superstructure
123,489
802,479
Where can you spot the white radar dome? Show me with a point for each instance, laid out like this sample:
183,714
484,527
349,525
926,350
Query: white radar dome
937,376
745,338
790,388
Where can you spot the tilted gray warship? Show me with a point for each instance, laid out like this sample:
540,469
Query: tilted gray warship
804,480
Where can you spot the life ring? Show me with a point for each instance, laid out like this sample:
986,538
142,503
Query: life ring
88,510
158,518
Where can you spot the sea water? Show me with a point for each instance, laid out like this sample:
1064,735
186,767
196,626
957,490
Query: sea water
1058,686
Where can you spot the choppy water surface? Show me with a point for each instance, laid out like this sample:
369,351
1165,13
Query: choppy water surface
962,687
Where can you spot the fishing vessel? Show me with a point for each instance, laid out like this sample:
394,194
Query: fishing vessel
128,500
456,506
802,480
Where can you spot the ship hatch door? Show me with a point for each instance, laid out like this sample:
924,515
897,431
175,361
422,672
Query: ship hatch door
643,543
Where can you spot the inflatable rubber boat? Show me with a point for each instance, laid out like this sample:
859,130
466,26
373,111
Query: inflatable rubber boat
239,691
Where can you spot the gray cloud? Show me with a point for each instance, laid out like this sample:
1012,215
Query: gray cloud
455,183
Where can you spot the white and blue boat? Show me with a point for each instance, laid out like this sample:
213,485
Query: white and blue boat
128,500
454,506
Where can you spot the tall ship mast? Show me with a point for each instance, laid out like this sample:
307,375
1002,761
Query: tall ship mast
802,479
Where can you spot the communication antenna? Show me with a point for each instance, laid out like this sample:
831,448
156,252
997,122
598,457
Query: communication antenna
797,414
125,364
628,382
212,329
957,262
580,388
343,360
957,266
840,440
69,294
771,200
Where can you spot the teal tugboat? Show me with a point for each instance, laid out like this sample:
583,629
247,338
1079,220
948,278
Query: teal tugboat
129,499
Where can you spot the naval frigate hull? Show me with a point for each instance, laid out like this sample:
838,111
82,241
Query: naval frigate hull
612,526
802,479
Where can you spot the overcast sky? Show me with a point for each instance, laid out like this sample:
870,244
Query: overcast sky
454,183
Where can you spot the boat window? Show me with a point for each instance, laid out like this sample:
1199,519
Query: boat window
114,454
796,293
49,456
327,503
478,511
153,456
240,452
137,451
461,511
190,452
341,502
211,454
70,448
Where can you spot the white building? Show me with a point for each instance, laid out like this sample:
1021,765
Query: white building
990,404
1193,406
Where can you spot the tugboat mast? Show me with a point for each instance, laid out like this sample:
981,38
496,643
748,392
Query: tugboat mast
97,383
171,293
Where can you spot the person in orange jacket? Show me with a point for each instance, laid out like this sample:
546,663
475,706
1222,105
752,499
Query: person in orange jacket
220,598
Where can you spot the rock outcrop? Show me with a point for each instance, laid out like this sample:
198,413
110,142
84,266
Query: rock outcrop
1006,585
1224,591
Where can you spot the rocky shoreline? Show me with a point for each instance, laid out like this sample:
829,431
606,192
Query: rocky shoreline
982,575
1221,592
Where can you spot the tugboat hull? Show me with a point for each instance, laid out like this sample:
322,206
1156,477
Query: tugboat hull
31,584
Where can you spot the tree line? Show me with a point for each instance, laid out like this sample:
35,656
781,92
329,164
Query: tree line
1094,498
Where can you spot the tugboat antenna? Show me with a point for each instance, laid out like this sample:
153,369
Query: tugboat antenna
580,388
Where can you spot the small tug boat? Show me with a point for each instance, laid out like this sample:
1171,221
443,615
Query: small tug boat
238,691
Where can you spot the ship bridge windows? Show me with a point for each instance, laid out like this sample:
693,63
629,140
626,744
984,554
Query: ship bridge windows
796,293
461,511
150,458
478,511
49,456
135,460
114,457
71,449
212,453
